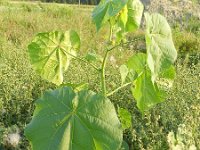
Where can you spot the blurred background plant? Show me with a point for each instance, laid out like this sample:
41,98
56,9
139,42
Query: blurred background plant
182,140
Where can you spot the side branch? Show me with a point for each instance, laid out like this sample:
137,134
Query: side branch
119,88
83,60
103,80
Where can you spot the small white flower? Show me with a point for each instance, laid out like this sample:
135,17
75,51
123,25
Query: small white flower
13,139
192,147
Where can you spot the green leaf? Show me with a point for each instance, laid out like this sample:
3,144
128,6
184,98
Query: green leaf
168,73
124,146
120,24
125,118
51,52
166,76
144,91
160,47
105,10
93,57
128,20
137,63
66,120
90,57
123,72
123,16
135,11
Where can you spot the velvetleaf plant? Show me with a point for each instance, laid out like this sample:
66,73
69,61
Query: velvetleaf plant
72,117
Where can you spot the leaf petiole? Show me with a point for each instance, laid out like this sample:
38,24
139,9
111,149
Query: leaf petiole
103,80
83,60
119,88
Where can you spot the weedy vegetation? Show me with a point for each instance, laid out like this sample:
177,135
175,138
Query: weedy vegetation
104,95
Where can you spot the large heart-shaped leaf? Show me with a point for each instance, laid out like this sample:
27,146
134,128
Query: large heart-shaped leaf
144,91
51,52
105,10
135,11
161,52
65,120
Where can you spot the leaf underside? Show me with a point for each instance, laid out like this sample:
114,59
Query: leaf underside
65,120
154,68
161,52
135,11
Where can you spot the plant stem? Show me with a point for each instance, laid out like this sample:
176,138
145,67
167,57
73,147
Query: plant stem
103,78
83,60
119,88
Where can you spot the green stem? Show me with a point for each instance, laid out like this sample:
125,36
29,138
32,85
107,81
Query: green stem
103,78
119,88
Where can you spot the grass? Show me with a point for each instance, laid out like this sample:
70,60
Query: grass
20,86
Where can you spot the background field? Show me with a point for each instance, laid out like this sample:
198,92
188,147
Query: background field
177,119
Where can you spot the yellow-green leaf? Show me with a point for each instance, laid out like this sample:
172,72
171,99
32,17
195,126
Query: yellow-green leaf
51,52
161,52
105,10
135,11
